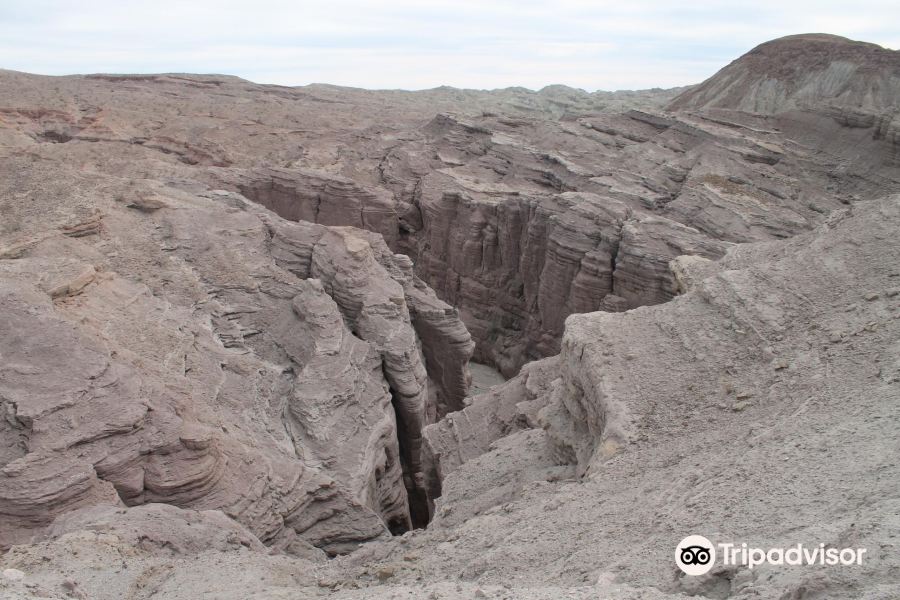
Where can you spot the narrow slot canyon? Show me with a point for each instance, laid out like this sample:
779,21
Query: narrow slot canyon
532,264
263,341
513,265
514,269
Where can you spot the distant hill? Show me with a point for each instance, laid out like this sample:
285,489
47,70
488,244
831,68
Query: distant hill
802,71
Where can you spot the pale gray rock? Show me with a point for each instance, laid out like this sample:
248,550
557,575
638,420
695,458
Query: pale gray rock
469,433
163,529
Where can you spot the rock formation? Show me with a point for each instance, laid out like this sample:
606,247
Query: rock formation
517,238
758,405
270,370
237,322
515,216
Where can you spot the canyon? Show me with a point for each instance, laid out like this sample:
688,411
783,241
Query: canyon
238,324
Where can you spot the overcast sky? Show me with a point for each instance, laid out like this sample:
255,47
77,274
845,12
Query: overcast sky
414,44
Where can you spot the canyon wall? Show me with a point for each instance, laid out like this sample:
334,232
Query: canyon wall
519,238
268,369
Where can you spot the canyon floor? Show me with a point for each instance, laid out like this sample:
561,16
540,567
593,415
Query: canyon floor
271,342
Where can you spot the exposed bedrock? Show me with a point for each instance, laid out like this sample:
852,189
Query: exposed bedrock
502,411
516,266
517,238
189,381
741,334
96,431
752,308
267,369
376,309
769,385
324,198
339,387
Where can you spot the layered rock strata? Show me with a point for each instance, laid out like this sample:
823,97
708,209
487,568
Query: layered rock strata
518,238
267,369
490,193
767,390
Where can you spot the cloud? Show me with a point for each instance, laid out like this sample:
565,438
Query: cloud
592,44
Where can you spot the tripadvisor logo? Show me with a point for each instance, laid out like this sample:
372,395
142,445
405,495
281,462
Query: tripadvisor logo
696,555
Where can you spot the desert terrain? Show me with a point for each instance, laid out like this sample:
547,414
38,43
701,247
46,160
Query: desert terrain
321,342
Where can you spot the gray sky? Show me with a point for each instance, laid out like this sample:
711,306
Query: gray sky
416,44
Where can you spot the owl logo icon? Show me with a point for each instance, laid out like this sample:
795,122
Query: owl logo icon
695,555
